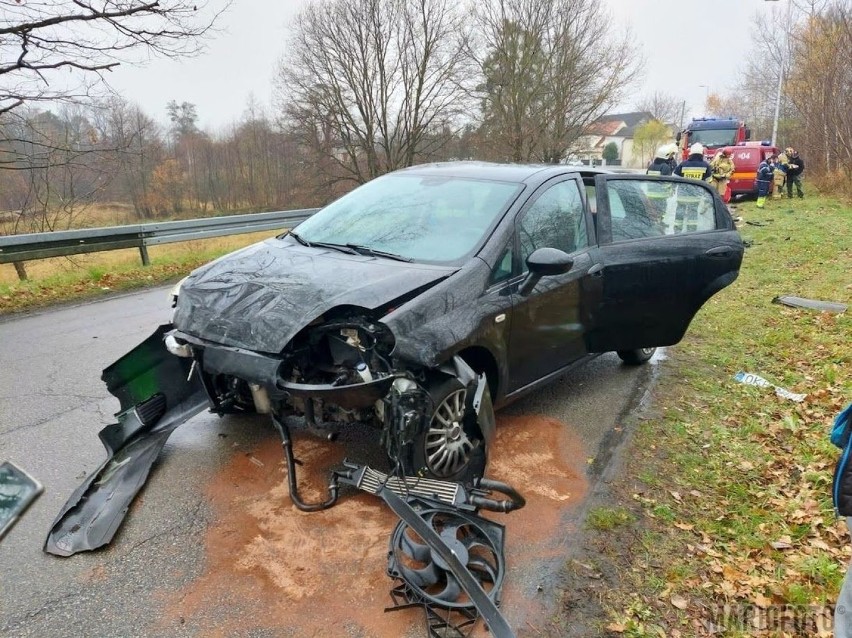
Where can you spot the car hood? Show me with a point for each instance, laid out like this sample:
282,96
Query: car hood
259,298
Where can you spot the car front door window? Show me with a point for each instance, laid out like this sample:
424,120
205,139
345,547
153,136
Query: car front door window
555,220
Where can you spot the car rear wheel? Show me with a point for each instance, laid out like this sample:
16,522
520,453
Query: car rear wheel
636,357
445,448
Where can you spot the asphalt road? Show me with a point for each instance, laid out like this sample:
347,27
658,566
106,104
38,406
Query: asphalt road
52,404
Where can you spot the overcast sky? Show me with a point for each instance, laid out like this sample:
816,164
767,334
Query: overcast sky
686,44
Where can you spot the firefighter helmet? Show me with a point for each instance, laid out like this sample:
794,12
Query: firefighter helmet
696,149
662,152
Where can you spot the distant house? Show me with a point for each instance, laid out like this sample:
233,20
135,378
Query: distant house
617,128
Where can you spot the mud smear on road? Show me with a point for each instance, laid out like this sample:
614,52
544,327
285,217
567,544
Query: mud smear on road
273,568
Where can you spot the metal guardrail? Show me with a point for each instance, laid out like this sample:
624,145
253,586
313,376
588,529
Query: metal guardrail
89,240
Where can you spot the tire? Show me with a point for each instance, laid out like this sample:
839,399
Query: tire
636,357
443,449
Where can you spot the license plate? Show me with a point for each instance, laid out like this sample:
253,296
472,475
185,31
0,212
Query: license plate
17,490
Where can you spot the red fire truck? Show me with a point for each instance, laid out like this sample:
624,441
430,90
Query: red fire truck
713,133
718,133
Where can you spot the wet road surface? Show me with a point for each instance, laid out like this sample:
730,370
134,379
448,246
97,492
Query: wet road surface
213,546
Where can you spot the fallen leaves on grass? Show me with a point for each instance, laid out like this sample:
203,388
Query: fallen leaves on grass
756,548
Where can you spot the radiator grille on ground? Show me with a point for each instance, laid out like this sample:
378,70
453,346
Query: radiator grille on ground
372,481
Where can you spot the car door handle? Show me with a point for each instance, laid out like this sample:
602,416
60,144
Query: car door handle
596,270
720,251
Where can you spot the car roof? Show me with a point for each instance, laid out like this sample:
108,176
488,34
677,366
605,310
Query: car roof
519,173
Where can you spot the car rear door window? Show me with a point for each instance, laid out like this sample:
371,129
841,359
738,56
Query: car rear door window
650,208
556,219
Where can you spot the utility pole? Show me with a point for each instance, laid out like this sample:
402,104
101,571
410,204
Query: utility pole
781,71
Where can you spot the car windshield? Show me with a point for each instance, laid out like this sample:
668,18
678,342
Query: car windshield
420,217
714,137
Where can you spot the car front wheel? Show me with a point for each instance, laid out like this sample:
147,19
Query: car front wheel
445,448
636,357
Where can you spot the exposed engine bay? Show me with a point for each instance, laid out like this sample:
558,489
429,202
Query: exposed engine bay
339,371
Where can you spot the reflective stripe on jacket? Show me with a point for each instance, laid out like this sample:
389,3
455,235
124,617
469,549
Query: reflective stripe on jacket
694,168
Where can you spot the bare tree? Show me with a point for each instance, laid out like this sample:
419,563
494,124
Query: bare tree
773,37
80,39
550,67
55,51
131,144
663,107
366,82
61,177
809,42
820,88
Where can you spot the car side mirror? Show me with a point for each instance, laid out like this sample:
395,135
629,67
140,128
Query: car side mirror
545,262
748,134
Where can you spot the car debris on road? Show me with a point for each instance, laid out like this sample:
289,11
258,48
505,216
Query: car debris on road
752,379
811,304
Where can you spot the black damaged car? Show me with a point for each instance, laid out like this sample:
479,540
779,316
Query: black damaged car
417,303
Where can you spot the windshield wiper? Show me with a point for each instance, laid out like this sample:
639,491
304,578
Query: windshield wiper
349,249
366,250
299,238
342,248
322,244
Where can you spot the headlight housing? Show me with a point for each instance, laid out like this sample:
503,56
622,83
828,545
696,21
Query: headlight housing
176,291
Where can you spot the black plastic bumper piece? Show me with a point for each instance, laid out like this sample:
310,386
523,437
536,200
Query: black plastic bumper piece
158,392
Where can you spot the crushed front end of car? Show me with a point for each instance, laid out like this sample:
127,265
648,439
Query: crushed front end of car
338,370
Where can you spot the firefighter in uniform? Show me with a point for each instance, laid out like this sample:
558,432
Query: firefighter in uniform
722,167
765,179
660,165
694,167
780,175
671,153
795,168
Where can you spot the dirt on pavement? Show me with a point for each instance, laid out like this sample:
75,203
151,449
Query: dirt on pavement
274,570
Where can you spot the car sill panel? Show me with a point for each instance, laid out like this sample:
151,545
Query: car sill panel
530,387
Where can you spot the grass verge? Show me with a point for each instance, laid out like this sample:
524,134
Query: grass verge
87,276
728,527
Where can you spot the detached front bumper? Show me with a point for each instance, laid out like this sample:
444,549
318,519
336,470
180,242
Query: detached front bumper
158,392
